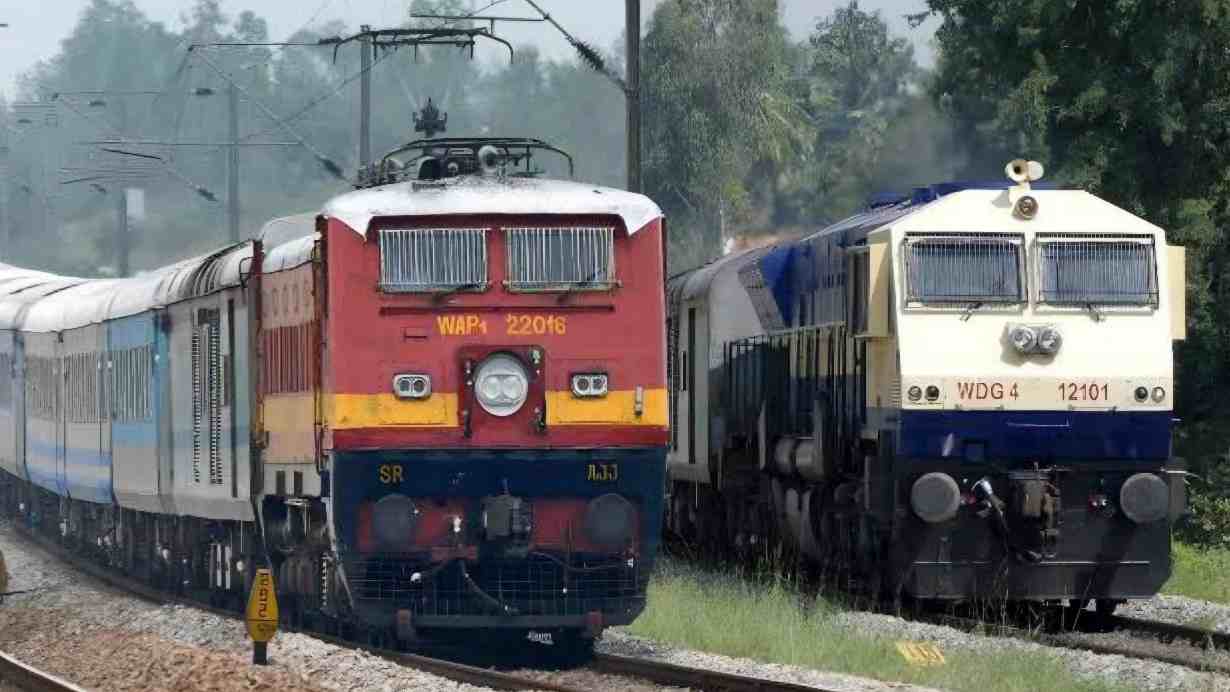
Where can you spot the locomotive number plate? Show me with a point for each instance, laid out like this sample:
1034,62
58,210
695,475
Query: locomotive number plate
1084,391
988,391
535,325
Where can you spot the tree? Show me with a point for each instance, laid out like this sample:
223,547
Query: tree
857,82
716,102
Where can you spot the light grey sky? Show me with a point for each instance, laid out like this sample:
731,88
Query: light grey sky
36,28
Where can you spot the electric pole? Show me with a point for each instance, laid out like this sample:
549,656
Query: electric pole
365,98
232,165
5,217
122,241
633,91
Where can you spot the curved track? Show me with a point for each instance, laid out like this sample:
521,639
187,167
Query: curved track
608,670
17,675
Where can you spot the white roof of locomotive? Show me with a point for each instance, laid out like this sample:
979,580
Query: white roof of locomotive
1060,211
491,195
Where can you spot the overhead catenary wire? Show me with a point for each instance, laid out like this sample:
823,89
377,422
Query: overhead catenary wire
319,100
199,189
329,165
587,52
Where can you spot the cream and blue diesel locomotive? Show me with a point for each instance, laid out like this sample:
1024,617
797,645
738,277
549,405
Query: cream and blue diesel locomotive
963,392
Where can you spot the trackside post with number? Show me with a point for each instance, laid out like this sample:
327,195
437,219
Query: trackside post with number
262,615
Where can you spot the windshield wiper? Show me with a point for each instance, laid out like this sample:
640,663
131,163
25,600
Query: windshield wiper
587,281
1098,316
439,297
970,310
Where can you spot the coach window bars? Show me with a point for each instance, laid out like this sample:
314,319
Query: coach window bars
433,260
561,259
1087,270
964,269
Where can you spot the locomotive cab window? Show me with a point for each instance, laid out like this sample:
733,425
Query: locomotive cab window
432,260
1097,270
964,268
561,259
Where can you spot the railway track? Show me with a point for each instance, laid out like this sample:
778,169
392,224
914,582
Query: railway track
17,675
1198,652
1168,632
606,670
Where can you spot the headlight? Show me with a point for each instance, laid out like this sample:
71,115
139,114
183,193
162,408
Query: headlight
590,384
1049,341
1158,395
933,393
915,393
1145,498
501,385
393,521
1023,338
610,521
412,386
935,497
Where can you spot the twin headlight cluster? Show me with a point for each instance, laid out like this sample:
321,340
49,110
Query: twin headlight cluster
501,385
1029,338
916,393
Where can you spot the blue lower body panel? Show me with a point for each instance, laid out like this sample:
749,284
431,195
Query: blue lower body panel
87,475
1041,436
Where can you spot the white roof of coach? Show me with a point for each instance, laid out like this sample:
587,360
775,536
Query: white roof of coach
288,241
85,303
290,254
491,195
15,305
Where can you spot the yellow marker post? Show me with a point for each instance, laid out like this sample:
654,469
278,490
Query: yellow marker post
262,615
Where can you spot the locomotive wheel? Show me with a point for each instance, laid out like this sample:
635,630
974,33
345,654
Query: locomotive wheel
1105,609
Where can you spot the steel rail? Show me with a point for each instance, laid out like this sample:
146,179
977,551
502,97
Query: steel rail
656,672
27,678
1169,631
671,675
1080,641
457,672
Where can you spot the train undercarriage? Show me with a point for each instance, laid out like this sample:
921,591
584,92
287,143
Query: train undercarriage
993,534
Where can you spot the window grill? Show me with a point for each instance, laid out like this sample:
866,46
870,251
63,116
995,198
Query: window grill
546,259
974,267
433,259
1096,269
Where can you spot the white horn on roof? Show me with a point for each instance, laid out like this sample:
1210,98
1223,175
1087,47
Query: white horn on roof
489,159
1023,172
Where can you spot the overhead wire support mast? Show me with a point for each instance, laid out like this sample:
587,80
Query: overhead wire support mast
328,163
630,86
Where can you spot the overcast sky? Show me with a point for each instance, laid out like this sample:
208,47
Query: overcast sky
37,27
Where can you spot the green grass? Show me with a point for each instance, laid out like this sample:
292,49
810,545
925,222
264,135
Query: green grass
762,620
1202,573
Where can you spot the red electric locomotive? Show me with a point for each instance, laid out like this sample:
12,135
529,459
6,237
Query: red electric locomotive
476,434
